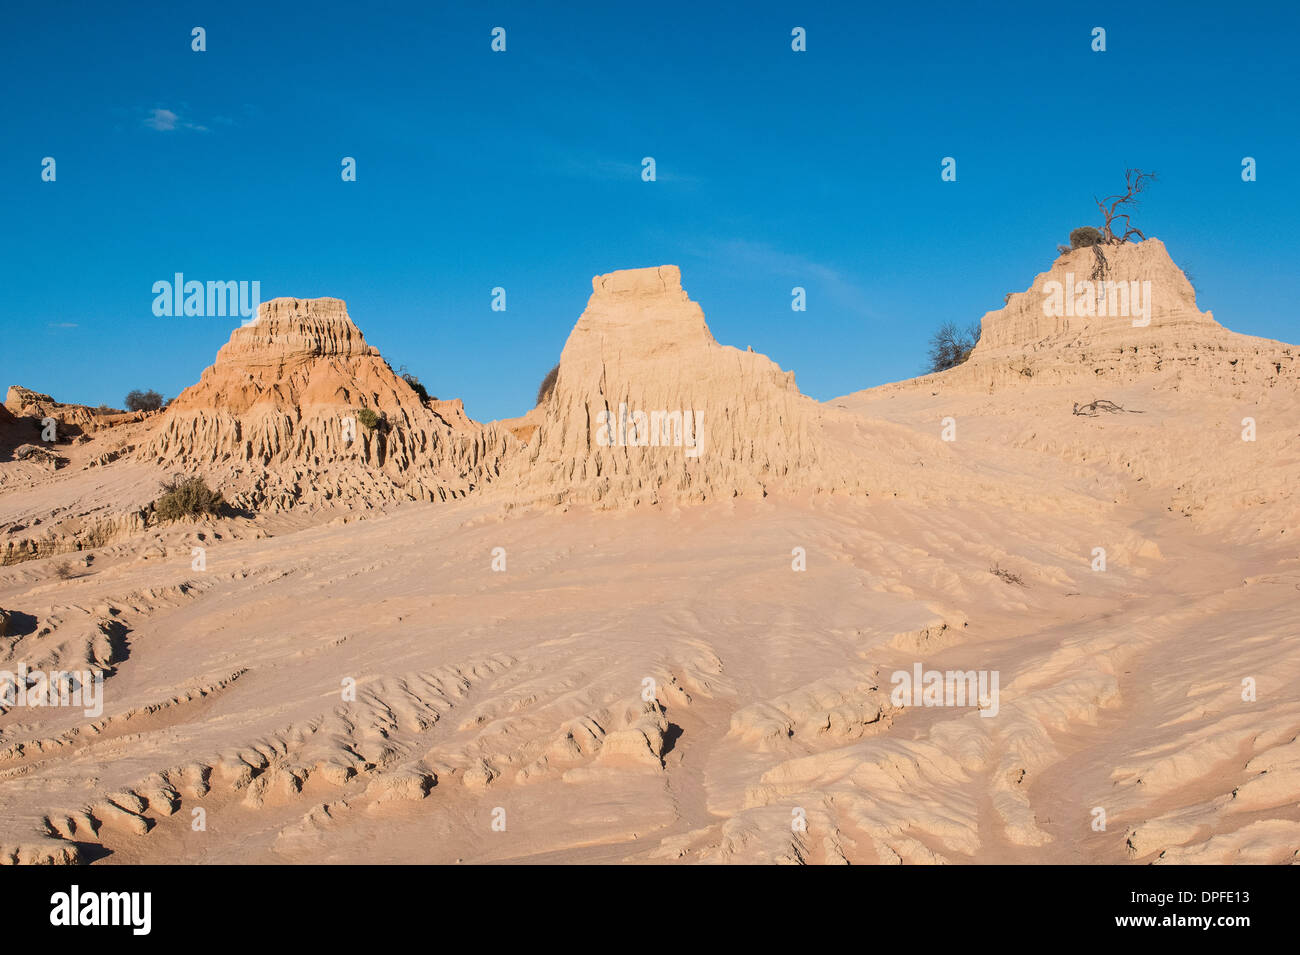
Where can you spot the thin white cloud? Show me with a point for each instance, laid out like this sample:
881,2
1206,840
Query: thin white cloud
759,258
164,120
64,325
161,119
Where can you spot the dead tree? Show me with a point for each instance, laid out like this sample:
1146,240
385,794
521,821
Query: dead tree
1101,404
1135,180
951,345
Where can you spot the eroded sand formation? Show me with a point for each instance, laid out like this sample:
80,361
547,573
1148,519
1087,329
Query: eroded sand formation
277,419
570,648
736,423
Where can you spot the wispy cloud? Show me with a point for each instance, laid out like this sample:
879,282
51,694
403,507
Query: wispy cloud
165,120
746,257
161,119
64,325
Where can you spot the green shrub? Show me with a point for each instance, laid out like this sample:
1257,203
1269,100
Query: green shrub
1084,236
548,384
145,401
188,498
368,418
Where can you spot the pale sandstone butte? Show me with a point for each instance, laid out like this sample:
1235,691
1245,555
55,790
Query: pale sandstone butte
1025,323
1044,366
642,342
269,417
1022,345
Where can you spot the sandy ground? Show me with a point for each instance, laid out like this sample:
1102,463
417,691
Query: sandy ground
501,715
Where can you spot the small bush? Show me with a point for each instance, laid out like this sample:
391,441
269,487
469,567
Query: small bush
145,401
548,384
188,498
951,345
369,420
414,382
1084,236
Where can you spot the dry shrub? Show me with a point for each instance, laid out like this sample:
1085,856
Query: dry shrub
187,498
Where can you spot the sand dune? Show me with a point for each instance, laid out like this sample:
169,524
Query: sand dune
442,641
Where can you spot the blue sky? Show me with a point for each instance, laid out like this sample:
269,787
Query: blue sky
522,170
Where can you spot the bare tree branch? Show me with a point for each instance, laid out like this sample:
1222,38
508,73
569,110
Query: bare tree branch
1091,409
1135,181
